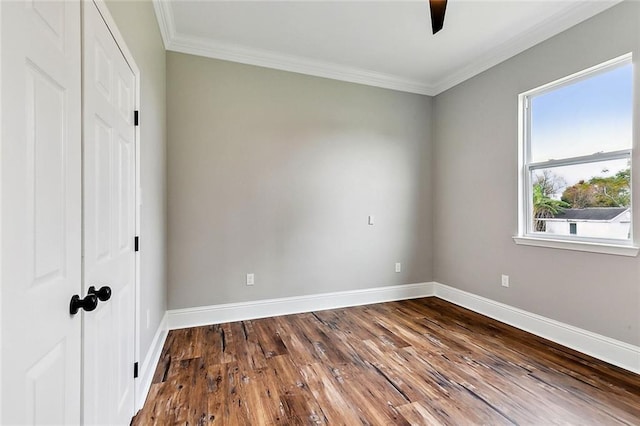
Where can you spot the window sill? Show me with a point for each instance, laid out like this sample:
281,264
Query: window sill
615,249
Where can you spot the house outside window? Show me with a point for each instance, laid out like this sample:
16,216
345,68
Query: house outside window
575,159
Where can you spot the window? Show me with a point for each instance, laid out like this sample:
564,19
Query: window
575,160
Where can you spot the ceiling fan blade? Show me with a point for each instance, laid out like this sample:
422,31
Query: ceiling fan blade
438,7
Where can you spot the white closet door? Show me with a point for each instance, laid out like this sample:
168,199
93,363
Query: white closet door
109,224
41,211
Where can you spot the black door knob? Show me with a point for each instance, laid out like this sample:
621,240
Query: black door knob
89,303
103,294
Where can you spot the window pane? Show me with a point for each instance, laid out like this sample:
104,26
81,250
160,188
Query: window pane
589,116
573,228
596,197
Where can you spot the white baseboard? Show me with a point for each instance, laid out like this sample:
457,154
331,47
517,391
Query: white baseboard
604,348
148,368
217,314
613,351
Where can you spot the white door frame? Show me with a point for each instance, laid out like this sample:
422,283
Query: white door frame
119,39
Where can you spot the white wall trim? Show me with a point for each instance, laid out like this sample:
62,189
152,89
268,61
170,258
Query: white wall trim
291,63
573,14
614,249
216,314
613,351
148,367
164,16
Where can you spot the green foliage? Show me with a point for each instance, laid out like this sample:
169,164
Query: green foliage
610,191
544,206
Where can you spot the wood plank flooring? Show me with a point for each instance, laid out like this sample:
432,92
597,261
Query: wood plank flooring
418,362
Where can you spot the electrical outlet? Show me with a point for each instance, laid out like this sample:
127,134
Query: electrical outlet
250,279
505,280
398,267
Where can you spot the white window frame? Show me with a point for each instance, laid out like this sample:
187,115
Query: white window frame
526,236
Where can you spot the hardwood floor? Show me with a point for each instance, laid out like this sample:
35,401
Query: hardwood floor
419,362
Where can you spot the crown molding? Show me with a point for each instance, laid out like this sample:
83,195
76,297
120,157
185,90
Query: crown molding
164,16
177,42
556,24
297,64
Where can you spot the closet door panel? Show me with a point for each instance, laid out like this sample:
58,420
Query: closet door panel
41,211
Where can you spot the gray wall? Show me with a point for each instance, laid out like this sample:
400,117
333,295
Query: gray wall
275,173
137,23
475,152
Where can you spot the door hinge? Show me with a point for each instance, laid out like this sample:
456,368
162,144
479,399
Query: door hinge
135,370
136,243
136,118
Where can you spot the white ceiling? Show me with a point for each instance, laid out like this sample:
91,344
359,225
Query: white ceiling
379,43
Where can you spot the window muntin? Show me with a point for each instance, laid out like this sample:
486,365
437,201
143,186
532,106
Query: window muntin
576,156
